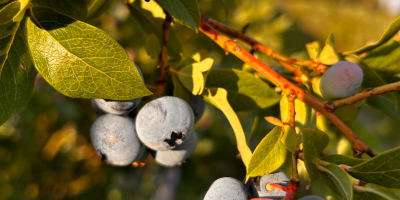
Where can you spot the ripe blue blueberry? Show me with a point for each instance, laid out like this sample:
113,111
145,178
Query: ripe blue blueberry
115,139
164,123
227,188
258,186
176,156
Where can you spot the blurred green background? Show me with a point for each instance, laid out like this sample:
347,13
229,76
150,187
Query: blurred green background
45,149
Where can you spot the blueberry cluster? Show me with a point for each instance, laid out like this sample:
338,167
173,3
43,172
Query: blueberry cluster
230,188
163,125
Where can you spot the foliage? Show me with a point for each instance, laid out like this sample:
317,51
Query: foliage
85,50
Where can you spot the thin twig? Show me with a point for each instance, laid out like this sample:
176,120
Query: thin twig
286,86
257,46
369,92
163,57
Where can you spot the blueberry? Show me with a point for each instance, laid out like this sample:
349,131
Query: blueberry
176,156
227,188
115,139
257,186
311,197
341,80
102,106
115,107
198,106
164,123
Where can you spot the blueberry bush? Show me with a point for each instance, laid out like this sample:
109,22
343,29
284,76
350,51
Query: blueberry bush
199,99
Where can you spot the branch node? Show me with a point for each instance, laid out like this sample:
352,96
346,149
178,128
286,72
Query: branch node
329,106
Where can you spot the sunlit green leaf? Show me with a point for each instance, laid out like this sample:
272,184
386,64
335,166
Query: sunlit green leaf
76,9
80,60
242,94
193,77
314,142
383,169
337,179
274,121
387,35
185,12
329,54
313,49
269,154
22,9
290,138
342,160
17,77
8,29
218,97
383,192
385,58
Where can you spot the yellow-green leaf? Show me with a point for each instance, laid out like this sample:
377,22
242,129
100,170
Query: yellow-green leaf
290,138
218,97
185,12
22,9
245,91
8,29
193,77
313,49
268,156
329,54
80,60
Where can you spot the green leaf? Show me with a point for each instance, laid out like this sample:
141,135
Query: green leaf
8,29
387,35
76,9
268,156
193,77
218,97
22,9
337,179
290,139
314,142
153,46
185,12
386,193
347,113
80,60
342,160
385,58
245,92
383,169
179,90
329,54
17,77
151,25
313,49
305,116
